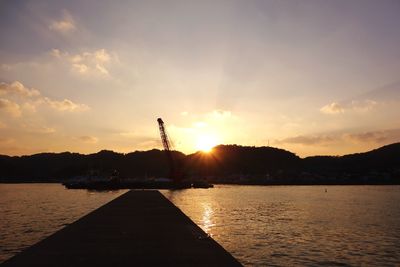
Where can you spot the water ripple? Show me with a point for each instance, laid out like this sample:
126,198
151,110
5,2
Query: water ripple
300,225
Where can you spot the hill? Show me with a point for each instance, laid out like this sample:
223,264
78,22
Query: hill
380,165
226,164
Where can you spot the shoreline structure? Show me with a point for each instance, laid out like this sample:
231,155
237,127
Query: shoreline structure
141,227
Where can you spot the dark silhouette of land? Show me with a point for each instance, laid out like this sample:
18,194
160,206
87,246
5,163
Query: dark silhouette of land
226,164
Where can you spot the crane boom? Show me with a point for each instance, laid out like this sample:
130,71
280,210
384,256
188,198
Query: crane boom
174,173
164,136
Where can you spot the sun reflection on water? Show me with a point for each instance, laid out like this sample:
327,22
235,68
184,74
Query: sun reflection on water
299,225
207,219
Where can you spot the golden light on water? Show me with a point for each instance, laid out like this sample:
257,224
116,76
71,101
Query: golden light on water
207,217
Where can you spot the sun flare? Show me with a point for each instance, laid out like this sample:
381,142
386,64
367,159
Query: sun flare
205,143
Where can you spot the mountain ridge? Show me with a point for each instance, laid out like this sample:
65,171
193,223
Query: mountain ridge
226,164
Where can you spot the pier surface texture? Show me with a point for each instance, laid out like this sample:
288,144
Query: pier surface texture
139,228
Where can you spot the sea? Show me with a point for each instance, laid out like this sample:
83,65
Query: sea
258,225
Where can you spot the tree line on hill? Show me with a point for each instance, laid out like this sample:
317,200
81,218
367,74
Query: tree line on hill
225,164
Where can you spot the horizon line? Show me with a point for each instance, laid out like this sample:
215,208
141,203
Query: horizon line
198,151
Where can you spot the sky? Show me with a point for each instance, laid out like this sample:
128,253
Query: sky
313,77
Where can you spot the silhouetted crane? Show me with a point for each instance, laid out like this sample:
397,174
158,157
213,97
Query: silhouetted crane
175,173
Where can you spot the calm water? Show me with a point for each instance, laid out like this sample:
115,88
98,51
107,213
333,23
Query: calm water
278,225
300,225
31,212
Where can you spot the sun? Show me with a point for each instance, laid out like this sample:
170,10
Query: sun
205,143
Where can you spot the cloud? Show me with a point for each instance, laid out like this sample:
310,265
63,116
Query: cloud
17,88
10,107
378,137
65,25
368,137
363,106
31,99
307,140
65,105
332,108
88,139
85,63
36,128
359,106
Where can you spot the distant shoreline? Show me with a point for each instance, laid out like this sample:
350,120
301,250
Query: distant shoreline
247,184
226,164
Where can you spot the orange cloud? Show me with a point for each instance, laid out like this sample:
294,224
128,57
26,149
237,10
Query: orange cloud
17,88
10,107
378,137
65,105
88,139
30,99
307,140
374,137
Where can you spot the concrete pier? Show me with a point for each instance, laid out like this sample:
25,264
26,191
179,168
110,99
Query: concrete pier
139,228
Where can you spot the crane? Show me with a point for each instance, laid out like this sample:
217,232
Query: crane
174,171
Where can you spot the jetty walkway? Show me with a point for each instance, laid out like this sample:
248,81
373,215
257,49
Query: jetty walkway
139,228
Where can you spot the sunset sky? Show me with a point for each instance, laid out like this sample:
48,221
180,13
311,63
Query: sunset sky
312,77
